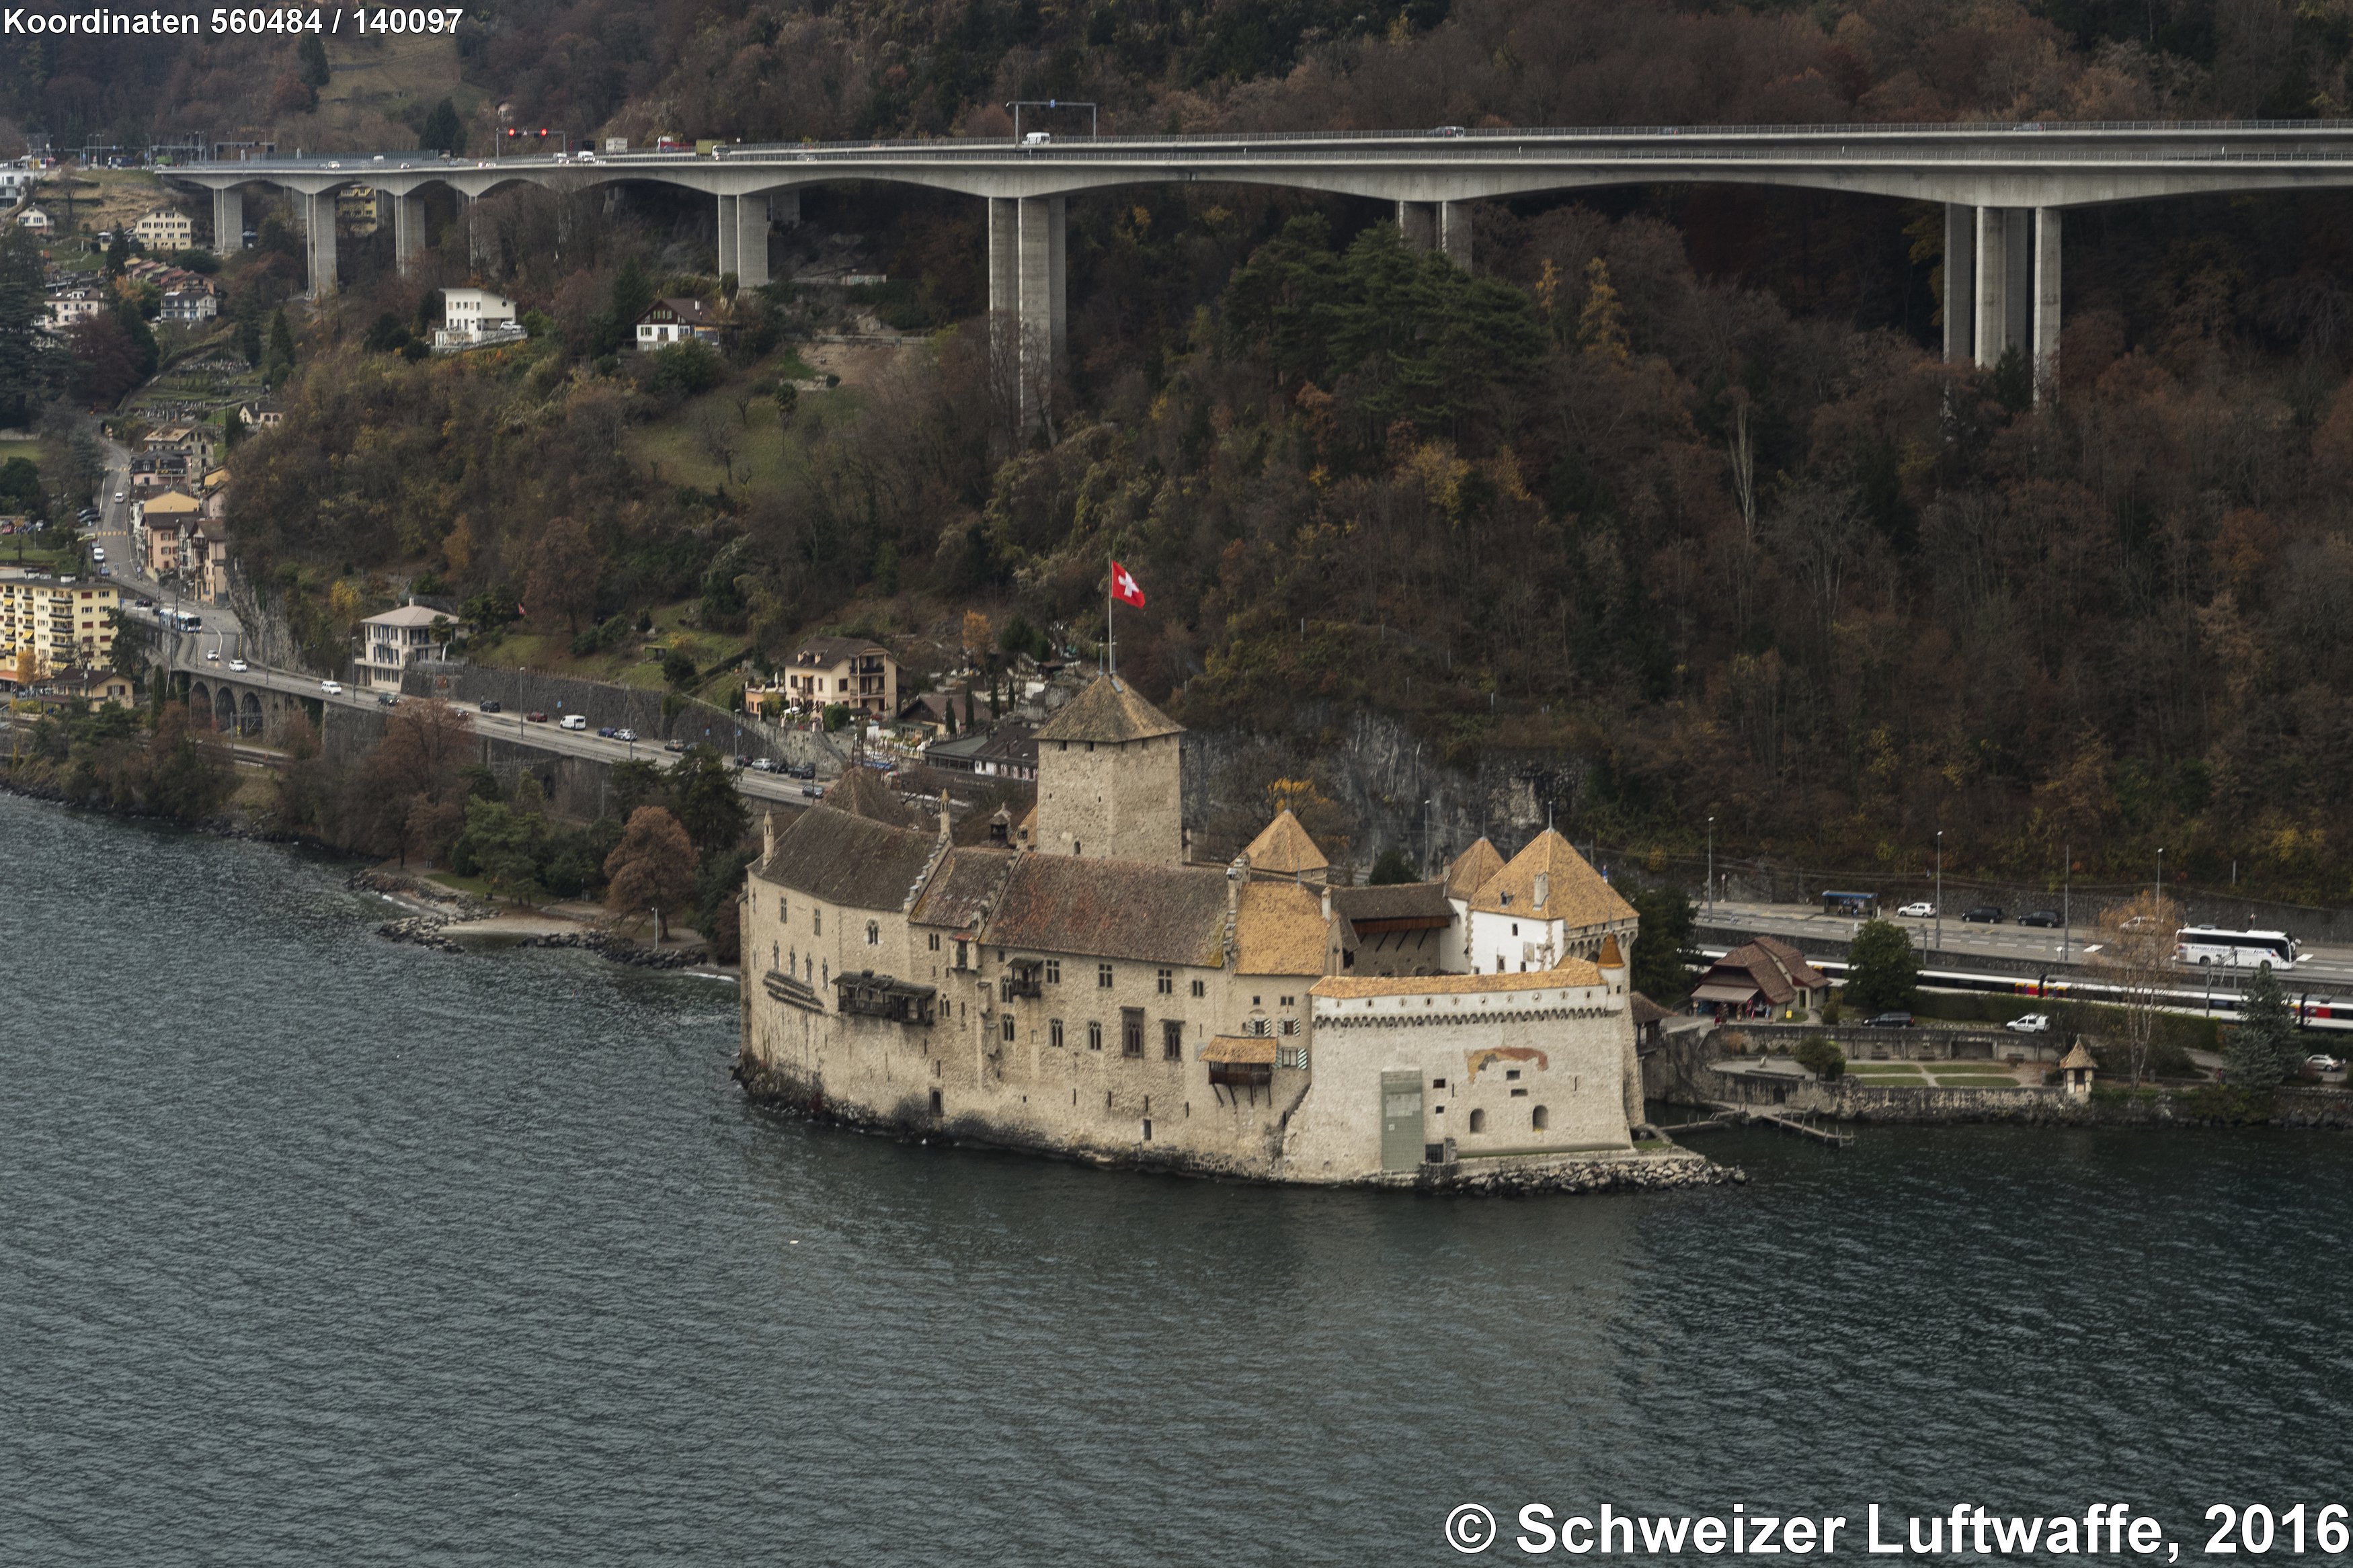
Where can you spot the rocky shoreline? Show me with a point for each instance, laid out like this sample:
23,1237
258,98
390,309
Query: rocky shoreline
443,914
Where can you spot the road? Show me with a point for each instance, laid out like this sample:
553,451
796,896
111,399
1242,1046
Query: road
2317,966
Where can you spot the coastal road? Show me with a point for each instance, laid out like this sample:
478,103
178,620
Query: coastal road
2318,965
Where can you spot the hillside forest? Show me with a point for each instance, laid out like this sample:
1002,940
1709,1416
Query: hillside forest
1673,481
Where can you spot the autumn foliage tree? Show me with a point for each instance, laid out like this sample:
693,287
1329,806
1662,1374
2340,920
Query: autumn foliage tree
653,869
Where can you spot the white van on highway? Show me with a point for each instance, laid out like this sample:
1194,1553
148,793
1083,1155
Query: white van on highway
575,721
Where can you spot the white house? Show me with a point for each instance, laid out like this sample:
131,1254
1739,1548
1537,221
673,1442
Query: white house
673,321
189,305
35,219
391,642
475,311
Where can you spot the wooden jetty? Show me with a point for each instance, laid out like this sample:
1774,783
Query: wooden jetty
1729,1115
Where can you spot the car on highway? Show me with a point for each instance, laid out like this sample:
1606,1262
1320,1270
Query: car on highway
144,603
492,706
535,717
2029,1024
387,700
763,765
811,791
625,734
574,722
2047,919
1888,1021
238,664
2319,1062
673,745
212,655
332,688
1920,910
608,733
118,496
1984,915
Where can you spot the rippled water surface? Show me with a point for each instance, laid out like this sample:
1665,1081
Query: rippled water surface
316,1250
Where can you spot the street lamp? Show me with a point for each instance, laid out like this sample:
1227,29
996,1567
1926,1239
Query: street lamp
2157,891
1711,866
2067,903
1940,889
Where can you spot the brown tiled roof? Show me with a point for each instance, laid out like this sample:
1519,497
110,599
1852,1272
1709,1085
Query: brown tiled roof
1110,711
849,860
1240,1049
963,889
1609,957
1644,1010
1285,848
1398,906
1574,890
1280,929
1015,741
862,791
827,652
1113,909
1776,968
1472,870
2078,1057
1568,972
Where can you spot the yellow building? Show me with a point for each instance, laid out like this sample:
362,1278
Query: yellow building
356,211
165,229
65,621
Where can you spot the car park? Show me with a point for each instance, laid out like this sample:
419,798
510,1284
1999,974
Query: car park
2047,919
1984,914
1888,1021
2029,1024
1917,911
332,688
492,706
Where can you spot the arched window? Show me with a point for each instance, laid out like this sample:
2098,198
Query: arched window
1540,1118
873,934
1478,1121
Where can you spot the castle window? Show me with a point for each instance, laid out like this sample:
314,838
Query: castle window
1511,1075
964,953
1516,928
776,955
1053,972
1172,1039
873,934
935,941
1131,1032
1438,1083
1103,976
1167,983
1074,849
1094,1037
1200,988
1519,1094
1289,1026
1004,1028
816,921
1054,1033
1540,1118
1478,1121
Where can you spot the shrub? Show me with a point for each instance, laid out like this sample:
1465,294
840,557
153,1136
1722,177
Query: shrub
1821,1057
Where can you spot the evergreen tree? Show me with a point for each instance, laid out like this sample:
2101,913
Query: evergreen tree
1882,968
708,806
28,361
443,133
2263,1048
310,58
1663,958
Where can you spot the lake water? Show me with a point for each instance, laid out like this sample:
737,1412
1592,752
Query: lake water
319,1249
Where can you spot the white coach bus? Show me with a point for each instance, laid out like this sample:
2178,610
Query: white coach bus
2235,949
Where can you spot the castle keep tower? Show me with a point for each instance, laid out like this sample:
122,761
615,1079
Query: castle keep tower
1110,778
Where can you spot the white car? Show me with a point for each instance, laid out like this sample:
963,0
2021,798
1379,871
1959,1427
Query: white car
1919,911
576,722
625,735
118,495
98,552
237,665
2031,1023
332,688
212,655
2320,1063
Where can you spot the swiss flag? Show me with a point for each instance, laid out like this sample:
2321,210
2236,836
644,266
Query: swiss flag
1123,586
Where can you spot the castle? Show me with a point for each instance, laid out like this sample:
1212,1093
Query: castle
1074,987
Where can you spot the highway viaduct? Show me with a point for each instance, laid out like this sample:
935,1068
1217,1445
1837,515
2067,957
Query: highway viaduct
2004,188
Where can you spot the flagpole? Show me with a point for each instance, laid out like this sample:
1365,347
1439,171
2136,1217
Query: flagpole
1111,596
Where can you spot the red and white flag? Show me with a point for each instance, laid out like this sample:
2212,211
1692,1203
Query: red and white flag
1123,586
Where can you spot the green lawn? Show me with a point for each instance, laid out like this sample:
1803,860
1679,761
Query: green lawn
28,450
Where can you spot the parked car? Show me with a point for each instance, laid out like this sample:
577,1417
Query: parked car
2029,1024
238,664
812,791
1984,914
606,732
1888,1021
2318,1062
673,745
535,717
763,765
98,552
1921,911
574,722
625,734
492,706
332,688
2047,919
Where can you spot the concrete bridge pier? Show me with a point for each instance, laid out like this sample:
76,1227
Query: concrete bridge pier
228,220
1028,310
481,244
725,230
1454,232
319,237
1417,221
744,239
2002,287
408,230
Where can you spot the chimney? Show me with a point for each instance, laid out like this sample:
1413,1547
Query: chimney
946,831
768,833
1328,903
1543,888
